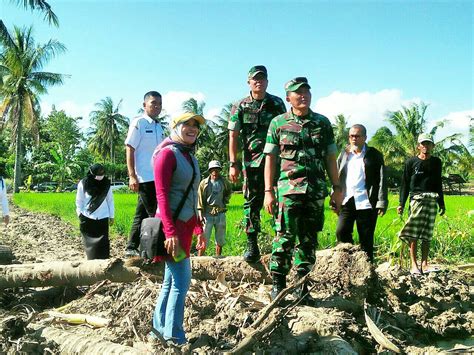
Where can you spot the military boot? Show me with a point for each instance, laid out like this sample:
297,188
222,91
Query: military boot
303,290
252,254
279,284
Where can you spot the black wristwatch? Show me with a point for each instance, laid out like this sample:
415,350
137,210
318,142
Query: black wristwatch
233,164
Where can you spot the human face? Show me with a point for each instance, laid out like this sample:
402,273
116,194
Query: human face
190,131
357,138
152,106
215,173
425,147
258,84
300,100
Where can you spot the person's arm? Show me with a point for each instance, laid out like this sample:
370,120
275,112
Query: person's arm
439,188
234,127
110,204
234,169
382,200
404,188
164,166
133,179
331,169
201,201
269,175
80,197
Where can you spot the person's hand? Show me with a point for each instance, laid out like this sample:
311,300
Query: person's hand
234,172
111,221
201,217
172,246
201,242
6,219
400,209
133,183
269,202
380,212
442,211
336,200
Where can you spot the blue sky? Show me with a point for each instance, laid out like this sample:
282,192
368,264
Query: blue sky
362,58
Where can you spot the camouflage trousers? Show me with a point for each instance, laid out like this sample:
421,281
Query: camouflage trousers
254,193
299,220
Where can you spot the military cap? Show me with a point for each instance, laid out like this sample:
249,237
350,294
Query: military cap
296,83
256,70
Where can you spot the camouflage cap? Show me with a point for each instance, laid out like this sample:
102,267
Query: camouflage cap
257,69
296,83
186,117
425,137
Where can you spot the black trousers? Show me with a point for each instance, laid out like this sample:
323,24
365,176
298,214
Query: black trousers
365,221
95,237
146,207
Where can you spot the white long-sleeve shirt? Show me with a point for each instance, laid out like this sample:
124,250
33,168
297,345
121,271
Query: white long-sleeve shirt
105,210
3,197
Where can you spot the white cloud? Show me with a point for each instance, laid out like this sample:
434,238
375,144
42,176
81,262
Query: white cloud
366,108
456,122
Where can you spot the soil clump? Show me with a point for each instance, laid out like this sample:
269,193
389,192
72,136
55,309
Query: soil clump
413,313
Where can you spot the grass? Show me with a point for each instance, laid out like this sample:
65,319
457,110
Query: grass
453,237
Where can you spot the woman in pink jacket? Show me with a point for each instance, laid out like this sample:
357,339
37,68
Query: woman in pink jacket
174,167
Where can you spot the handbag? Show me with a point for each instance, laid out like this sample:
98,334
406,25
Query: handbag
152,236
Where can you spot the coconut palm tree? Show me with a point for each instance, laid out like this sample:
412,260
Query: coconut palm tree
341,131
22,83
42,6
108,125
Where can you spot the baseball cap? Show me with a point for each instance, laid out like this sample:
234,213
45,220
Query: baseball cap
213,164
257,69
296,83
186,117
425,137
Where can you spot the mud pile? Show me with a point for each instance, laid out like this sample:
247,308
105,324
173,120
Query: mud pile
412,312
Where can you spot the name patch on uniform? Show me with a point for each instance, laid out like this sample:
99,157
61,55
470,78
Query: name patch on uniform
148,131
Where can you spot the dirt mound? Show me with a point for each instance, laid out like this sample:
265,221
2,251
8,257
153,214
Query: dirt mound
222,315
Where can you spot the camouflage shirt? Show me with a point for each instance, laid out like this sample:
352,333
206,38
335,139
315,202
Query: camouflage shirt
302,143
252,117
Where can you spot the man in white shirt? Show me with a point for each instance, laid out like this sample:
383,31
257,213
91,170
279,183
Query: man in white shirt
363,181
144,135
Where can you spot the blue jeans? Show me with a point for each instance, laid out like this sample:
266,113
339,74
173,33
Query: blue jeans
169,311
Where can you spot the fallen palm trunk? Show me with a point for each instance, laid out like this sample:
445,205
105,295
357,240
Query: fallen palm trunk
70,343
89,272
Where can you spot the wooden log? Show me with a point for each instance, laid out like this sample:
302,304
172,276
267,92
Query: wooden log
89,272
70,343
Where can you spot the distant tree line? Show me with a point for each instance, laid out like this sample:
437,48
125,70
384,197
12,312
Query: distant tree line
36,148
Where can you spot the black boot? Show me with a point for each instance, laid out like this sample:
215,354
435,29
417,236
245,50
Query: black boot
252,254
303,290
279,284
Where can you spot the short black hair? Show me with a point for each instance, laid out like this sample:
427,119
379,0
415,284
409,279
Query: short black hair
151,93
361,127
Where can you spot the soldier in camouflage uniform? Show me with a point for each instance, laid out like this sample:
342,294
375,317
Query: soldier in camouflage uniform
304,142
250,118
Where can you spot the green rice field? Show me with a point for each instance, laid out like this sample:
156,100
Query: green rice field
453,237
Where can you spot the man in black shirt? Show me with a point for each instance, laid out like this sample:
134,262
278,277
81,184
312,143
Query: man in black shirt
422,181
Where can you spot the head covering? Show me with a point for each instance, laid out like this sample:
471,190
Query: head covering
296,83
214,164
256,70
97,189
186,117
425,137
